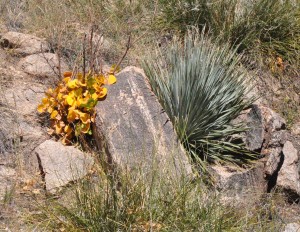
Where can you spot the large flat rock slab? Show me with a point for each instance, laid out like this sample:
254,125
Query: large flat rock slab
61,164
133,130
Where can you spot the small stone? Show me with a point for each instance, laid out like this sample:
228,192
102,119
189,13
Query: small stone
61,164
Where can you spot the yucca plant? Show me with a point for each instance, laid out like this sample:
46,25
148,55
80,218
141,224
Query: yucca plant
202,88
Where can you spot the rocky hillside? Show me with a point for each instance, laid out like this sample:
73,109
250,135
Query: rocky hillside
33,164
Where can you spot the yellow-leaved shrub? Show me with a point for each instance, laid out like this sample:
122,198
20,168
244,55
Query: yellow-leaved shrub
71,104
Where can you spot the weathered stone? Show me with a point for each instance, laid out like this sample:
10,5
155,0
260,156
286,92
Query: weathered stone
235,183
292,227
273,160
264,128
61,164
255,134
6,180
23,97
288,176
23,44
42,65
133,129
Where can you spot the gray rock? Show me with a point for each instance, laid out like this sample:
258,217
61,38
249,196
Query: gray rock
263,123
23,44
292,227
20,131
255,134
134,131
288,176
42,65
61,164
274,156
236,183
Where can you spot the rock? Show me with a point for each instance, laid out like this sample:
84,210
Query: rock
24,97
6,181
235,183
273,161
134,131
61,164
42,65
292,227
262,123
23,44
296,129
19,111
288,176
255,134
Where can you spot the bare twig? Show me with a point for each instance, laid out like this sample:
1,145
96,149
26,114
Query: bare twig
84,39
124,55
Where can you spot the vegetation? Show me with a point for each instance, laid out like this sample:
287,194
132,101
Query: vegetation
202,89
71,104
188,70
268,27
132,202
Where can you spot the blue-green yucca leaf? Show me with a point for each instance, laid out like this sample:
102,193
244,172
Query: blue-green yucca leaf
202,88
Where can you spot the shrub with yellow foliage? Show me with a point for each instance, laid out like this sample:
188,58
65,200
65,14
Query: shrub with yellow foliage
71,104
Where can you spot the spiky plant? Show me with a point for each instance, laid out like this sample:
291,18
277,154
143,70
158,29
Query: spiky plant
202,88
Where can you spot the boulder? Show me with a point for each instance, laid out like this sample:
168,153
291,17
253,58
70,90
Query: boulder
288,176
23,44
61,164
236,183
133,130
42,65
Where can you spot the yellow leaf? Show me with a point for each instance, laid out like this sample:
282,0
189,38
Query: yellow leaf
58,128
84,117
68,129
103,93
70,100
67,79
50,110
54,114
111,79
73,84
45,100
85,128
41,108
100,79
72,115
60,96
